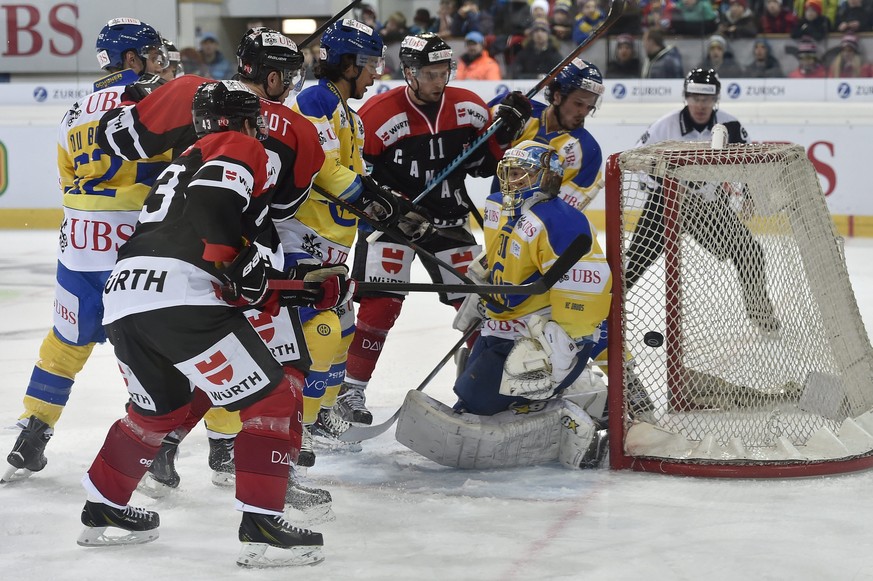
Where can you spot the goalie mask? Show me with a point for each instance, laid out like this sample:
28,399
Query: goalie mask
527,169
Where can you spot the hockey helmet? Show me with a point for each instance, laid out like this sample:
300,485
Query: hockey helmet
356,38
123,34
420,50
579,74
262,50
526,169
702,82
223,106
174,58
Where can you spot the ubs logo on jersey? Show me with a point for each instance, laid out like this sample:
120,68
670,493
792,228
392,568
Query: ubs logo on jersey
619,91
524,227
569,154
734,91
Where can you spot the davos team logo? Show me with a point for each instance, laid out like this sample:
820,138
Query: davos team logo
619,91
40,94
844,91
734,90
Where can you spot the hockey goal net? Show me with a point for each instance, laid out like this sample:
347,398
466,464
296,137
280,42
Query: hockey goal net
736,344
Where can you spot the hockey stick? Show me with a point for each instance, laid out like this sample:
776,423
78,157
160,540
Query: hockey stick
359,433
615,12
576,250
320,30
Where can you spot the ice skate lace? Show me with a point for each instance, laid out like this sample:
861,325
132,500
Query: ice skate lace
136,512
355,399
334,423
286,525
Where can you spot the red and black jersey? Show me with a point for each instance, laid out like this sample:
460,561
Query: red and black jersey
407,150
205,204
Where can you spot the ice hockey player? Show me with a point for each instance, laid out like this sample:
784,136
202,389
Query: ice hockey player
533,346
411,133
174,314
102,196
322,232
574,95
708,213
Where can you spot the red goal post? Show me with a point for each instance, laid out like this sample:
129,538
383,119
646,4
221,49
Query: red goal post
733,318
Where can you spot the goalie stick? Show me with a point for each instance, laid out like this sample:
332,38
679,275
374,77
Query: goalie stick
616,9
360,433
576,250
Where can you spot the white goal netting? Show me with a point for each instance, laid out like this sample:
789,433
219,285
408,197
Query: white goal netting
743,342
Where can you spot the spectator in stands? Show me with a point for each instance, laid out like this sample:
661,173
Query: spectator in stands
738,21
828,8
625,63
511,17
665,62
476,64
539,10
467,18
808,64
694,18
217,66
777,18
192,62
720,58
849,62
368,15
538,55
764,65
854,16
395,29
587,20
813,25
658,14
423,22
562,21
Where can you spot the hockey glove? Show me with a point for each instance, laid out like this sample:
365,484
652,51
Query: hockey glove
378,203
514,111
334,287
141,89
246,280
414,223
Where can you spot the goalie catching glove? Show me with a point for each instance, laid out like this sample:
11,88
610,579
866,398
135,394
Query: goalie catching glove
539,361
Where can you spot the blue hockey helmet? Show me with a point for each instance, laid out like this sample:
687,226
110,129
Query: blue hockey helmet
123,34
578,74
355,38
223,106
527,168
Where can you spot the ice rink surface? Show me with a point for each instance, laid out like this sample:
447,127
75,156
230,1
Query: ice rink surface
400,516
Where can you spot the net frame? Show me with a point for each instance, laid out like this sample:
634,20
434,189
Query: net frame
825,422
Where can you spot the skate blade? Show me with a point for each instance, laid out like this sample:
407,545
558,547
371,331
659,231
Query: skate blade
223,479
264,556
14,474
334,445
97,537
314,515
152,488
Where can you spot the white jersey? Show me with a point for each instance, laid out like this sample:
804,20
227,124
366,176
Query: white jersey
678,126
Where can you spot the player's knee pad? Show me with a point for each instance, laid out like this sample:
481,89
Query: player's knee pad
61,358
378,313
582,443
323,339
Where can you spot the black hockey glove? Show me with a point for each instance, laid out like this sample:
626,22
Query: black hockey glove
514,111
414,223
141,89
378,203
246,280
331,284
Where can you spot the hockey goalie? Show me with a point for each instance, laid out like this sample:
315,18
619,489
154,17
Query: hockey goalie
515,402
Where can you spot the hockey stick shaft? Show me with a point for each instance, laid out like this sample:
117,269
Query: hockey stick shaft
576,250
615,12
320,30
359,433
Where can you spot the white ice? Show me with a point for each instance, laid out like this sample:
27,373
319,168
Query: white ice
400,516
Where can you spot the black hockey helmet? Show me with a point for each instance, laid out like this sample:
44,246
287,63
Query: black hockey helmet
223,106
262,50
702,82
426,48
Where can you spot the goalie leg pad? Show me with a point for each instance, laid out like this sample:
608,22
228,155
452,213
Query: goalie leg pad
582,444
525,435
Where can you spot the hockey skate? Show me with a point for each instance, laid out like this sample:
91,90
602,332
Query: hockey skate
221,461
138,525
351,405
639,404
461,357
28,453
271,541
162,478
306,458
307,504
328,428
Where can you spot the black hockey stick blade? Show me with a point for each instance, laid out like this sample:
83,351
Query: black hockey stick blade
360,433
